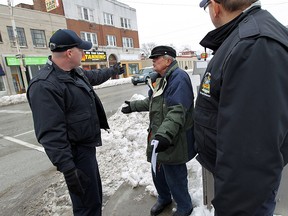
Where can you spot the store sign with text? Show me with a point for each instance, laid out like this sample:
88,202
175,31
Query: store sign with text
15,61
94,56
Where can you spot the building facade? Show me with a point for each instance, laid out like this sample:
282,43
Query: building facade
20,61
110,25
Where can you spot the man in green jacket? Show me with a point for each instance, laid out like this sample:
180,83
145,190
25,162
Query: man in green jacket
170,105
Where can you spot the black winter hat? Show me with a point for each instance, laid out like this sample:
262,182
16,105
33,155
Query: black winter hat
161,51
64,39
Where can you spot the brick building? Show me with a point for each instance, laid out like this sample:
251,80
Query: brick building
109,24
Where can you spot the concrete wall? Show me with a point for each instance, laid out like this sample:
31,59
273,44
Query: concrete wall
71,8
117,9
27,19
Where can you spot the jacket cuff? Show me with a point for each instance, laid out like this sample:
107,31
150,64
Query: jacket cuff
133,106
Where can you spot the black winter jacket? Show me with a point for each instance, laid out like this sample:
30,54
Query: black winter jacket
241,112
67,111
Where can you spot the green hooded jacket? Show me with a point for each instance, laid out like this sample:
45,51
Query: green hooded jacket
170,104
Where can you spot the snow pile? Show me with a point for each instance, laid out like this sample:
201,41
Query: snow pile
113,82
13,99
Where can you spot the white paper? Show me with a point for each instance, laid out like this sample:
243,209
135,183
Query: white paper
154,155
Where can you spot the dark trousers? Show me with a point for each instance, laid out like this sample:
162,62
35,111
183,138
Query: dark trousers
91,203
171,181
268,207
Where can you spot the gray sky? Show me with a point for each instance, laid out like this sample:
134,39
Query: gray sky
181,22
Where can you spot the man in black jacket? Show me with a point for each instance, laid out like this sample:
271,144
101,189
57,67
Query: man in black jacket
241,118
68,116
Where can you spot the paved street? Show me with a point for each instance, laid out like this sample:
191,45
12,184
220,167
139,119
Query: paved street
26,171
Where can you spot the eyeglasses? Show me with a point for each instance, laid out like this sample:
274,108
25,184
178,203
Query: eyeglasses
206,5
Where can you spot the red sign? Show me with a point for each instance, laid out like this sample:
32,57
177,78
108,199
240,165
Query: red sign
204,55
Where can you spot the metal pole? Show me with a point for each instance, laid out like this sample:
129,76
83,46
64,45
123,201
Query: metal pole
16,40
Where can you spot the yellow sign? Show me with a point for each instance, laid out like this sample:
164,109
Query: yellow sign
51,4
94,56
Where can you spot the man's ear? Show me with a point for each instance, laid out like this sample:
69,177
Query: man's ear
216,8
68,53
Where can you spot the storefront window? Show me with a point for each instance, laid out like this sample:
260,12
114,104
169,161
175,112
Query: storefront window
93,67
34,70
2,87
133,69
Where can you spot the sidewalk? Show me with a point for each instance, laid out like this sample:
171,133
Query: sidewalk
128,201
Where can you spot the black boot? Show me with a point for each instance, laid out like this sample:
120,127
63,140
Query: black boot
158,208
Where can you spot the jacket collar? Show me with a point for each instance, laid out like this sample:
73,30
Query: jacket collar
60,73
161,82
214,39
171,68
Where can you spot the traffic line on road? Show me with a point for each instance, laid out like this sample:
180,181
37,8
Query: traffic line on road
23,143
24,133
15,111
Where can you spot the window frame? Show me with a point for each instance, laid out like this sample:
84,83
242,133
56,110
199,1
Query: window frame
86,13
127,42
21,36
43,38
111,40
125,23
108,19
89,36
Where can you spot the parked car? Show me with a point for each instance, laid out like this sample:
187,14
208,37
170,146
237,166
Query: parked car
143,74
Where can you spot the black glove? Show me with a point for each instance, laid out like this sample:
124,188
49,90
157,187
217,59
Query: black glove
76,181
163,144
126,109
118,69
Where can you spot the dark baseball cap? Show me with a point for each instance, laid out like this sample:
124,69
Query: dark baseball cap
161,51
207,2
203,3
64,39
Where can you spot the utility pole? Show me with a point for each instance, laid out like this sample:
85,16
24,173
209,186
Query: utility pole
16,40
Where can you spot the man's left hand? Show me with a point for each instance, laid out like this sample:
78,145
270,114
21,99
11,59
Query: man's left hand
163,144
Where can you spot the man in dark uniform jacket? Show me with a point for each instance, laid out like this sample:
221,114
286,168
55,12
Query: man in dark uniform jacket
68,116
241,112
